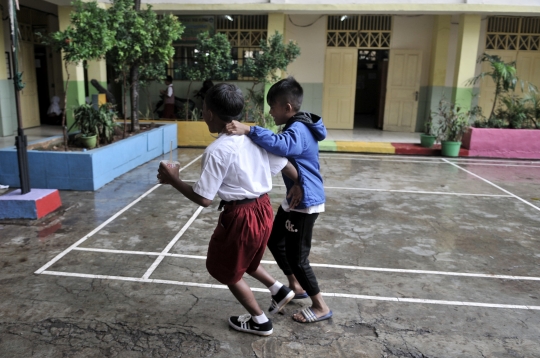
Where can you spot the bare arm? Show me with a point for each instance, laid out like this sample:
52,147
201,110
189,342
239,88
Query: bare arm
295,193
170,176
290,172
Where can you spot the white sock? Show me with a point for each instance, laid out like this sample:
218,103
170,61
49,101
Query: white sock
260,319
275,288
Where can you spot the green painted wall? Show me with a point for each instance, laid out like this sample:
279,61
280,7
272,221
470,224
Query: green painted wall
8,112
75,98
92,90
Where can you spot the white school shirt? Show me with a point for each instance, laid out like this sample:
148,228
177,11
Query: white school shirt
235,168
309,210
169,99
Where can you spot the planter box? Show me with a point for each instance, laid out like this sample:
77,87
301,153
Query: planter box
189,133
88,170
192,133
503,143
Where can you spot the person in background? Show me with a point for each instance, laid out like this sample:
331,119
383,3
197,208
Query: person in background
168,99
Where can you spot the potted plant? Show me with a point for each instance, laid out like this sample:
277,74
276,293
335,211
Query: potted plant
84,39
453,123
95,125
428,138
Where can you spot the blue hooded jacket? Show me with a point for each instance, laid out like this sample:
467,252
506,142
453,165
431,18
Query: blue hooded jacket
299,143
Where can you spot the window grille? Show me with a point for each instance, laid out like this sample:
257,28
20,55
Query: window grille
513,33
26,32
365,32
8,65
245,34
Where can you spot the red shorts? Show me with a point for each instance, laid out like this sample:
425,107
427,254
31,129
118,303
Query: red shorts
239,240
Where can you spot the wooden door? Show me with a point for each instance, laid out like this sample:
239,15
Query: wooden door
339,87
528,68
29,95
403,87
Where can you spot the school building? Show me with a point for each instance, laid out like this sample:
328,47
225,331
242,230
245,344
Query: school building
364,64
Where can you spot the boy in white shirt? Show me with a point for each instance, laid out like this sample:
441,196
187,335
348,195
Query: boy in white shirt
239,172
168,99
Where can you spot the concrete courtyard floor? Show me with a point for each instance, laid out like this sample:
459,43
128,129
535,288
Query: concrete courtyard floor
417,257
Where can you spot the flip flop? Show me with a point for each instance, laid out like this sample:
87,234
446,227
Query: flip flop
300,296
311,317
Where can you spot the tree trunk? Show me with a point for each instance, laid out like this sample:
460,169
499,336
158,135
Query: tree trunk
134,76
125,104
187,101
497,90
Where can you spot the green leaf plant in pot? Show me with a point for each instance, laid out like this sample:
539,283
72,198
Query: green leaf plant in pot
453,123
95,125
427,139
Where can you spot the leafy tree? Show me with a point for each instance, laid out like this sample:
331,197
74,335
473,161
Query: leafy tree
85,39
154,72
265,67
212,60
503,75
141,40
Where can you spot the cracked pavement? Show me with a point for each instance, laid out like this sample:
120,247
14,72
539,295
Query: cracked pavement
375,218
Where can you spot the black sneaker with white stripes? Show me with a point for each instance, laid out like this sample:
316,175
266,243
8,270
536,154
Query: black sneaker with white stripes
280,299
245,323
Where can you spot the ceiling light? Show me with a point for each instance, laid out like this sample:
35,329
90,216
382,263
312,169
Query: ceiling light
343,17
229,18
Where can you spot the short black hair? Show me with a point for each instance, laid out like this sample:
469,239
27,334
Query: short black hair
169,79
287,90
225,100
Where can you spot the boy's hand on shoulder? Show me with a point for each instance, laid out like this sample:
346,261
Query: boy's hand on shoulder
237,128
295,194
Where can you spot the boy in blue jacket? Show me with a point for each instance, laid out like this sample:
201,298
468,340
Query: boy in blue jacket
290,240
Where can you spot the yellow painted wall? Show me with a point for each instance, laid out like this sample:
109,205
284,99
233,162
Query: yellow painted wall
309,67
366,8
4,47
439,50
466,54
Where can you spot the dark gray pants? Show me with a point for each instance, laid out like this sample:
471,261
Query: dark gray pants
290,243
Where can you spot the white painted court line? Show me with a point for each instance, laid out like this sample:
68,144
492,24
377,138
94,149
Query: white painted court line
171,244
422,158
500,165
495,185
410,191
326,294
83,239
386,160
344,267
63,253
417,192
438,161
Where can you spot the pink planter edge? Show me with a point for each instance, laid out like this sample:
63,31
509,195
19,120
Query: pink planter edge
503,143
